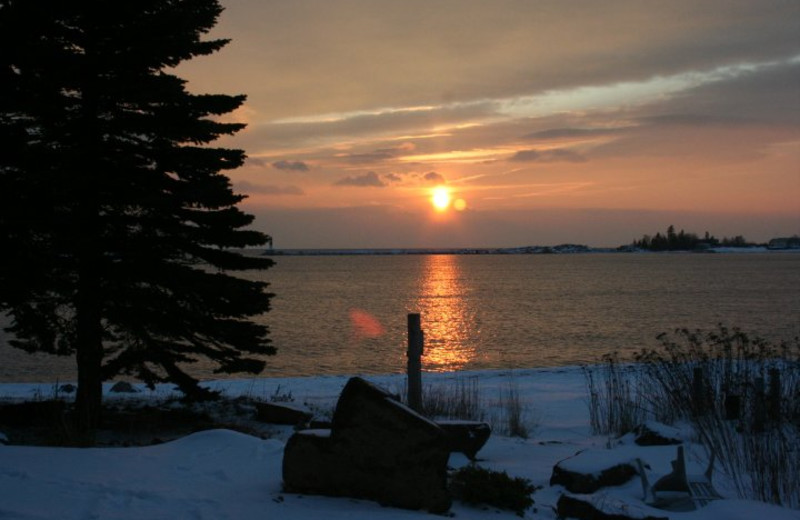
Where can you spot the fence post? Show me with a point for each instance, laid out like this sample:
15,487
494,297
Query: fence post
732,406
774,394
415,347
698,391
759,408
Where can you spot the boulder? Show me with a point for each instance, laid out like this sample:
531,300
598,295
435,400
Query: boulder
123,387
377,449
590,470
67,388
309,462
656,434
466,437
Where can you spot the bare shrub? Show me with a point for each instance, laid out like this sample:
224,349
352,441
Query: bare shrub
742,396
512,417
615,403
514,411
458,400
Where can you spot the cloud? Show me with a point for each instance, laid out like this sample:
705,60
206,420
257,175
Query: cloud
561,133
255,161
365,158
434,178
393,177
379,155
423,64
267,189
555,155
297,166
367,180
402,149
383,122
765,95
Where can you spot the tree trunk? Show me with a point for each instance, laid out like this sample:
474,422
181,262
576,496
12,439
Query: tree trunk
89,307
89,396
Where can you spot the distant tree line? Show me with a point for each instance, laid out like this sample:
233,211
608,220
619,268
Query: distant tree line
683,241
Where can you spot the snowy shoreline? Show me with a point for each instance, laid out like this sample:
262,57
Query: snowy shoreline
225,474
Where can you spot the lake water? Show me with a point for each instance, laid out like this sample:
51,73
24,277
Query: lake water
348,314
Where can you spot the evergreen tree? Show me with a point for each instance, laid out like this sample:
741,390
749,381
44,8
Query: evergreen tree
118,228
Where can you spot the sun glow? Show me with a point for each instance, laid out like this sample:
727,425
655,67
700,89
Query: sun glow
440,198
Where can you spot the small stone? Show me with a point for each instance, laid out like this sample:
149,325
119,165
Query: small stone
67,388
123,387
590,470
656,434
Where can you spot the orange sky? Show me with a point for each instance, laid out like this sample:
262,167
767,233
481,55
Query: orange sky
581,121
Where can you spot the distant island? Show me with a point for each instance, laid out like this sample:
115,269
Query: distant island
683,241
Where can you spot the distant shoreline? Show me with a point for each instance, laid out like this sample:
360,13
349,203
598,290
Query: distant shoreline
527,250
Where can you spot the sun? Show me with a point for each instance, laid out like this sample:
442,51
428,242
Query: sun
440,198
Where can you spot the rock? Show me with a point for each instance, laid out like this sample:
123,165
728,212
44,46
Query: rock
585,508
656,434
466,437
309,462
590,470
123,387
67,388
377,449
274,413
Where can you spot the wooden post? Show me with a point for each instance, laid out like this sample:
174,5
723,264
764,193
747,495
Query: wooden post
774,394
732,406
415,346
698,391
759,407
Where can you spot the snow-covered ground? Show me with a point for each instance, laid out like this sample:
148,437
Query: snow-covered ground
222,474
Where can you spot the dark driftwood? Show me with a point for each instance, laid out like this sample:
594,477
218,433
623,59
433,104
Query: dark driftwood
377,449
277,413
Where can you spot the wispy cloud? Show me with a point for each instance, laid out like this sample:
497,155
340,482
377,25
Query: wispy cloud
297,166
434,178
366,180
554,155
267,189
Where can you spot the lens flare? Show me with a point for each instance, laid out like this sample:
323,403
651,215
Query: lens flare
365,325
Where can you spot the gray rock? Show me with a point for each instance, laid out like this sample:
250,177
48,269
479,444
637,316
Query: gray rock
67,388
466,437
606,470
656,434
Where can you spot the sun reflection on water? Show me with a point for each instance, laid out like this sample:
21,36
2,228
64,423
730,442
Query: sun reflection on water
449,319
